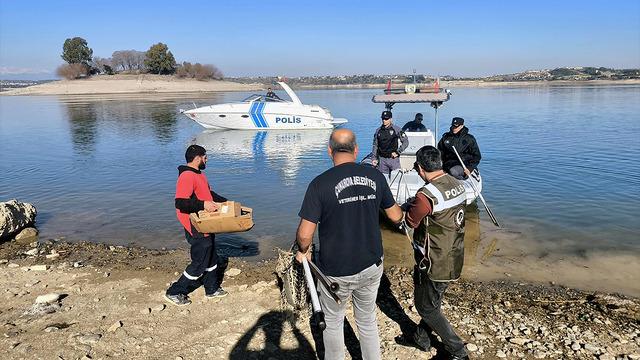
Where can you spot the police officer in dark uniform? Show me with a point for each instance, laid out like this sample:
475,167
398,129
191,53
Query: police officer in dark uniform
385,144
415,125
465,144
271,94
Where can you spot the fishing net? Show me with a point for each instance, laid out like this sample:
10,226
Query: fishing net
294,294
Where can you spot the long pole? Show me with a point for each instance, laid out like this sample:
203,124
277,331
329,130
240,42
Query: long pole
491,216
435,133
332,287
318,315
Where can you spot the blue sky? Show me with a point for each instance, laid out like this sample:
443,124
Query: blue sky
292,38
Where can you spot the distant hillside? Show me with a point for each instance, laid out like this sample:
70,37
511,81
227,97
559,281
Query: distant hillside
15,84
572,73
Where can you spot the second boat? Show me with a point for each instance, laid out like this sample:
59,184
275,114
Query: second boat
263,112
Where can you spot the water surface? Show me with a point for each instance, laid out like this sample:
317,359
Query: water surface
559,163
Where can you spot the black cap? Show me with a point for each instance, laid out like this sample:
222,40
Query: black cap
457,121
386,115
418,116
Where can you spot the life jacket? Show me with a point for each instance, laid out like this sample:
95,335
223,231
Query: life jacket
440,236
387,141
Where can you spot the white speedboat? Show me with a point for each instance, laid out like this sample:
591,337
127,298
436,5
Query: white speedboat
260,112
405,182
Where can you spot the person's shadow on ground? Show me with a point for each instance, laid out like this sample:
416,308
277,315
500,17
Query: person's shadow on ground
272,325
390,306
350,340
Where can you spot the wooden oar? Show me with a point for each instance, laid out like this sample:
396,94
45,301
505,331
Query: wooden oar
491,216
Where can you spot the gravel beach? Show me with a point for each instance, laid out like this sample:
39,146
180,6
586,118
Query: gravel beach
97,301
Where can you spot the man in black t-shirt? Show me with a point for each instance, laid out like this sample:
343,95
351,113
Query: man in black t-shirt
346,200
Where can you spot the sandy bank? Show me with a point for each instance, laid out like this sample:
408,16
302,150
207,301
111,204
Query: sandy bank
112,307
131,84
145,84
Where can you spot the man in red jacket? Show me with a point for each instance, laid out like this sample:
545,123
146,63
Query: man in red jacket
194,194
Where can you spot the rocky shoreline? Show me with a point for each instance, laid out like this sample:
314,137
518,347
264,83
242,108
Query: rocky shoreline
105,301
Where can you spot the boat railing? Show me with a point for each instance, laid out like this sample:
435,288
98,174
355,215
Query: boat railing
263,98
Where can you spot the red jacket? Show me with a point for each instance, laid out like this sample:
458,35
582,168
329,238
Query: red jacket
192,190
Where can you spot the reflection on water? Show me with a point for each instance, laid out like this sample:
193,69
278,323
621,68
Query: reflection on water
472,234
83,124
283,151
398,249
163,119
234,245
129,118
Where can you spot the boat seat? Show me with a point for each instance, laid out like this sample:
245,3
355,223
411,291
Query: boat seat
416,141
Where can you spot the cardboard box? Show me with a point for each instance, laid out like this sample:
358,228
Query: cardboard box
231,217
228,208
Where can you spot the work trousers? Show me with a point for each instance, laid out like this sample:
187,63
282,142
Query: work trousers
428,296
203,267
363,289
387,165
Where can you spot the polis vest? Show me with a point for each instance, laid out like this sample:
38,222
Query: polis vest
440,236
387,141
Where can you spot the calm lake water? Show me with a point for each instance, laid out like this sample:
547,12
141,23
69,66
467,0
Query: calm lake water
559,163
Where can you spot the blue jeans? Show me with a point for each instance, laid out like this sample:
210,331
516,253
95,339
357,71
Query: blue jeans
363,289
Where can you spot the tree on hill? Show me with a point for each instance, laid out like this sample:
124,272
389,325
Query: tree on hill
76,51
103,65
128,60
160,60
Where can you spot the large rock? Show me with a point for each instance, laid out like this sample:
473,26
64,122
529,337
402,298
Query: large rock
48,298
26,234
15,216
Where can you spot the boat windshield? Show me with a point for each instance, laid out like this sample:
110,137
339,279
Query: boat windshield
262,98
